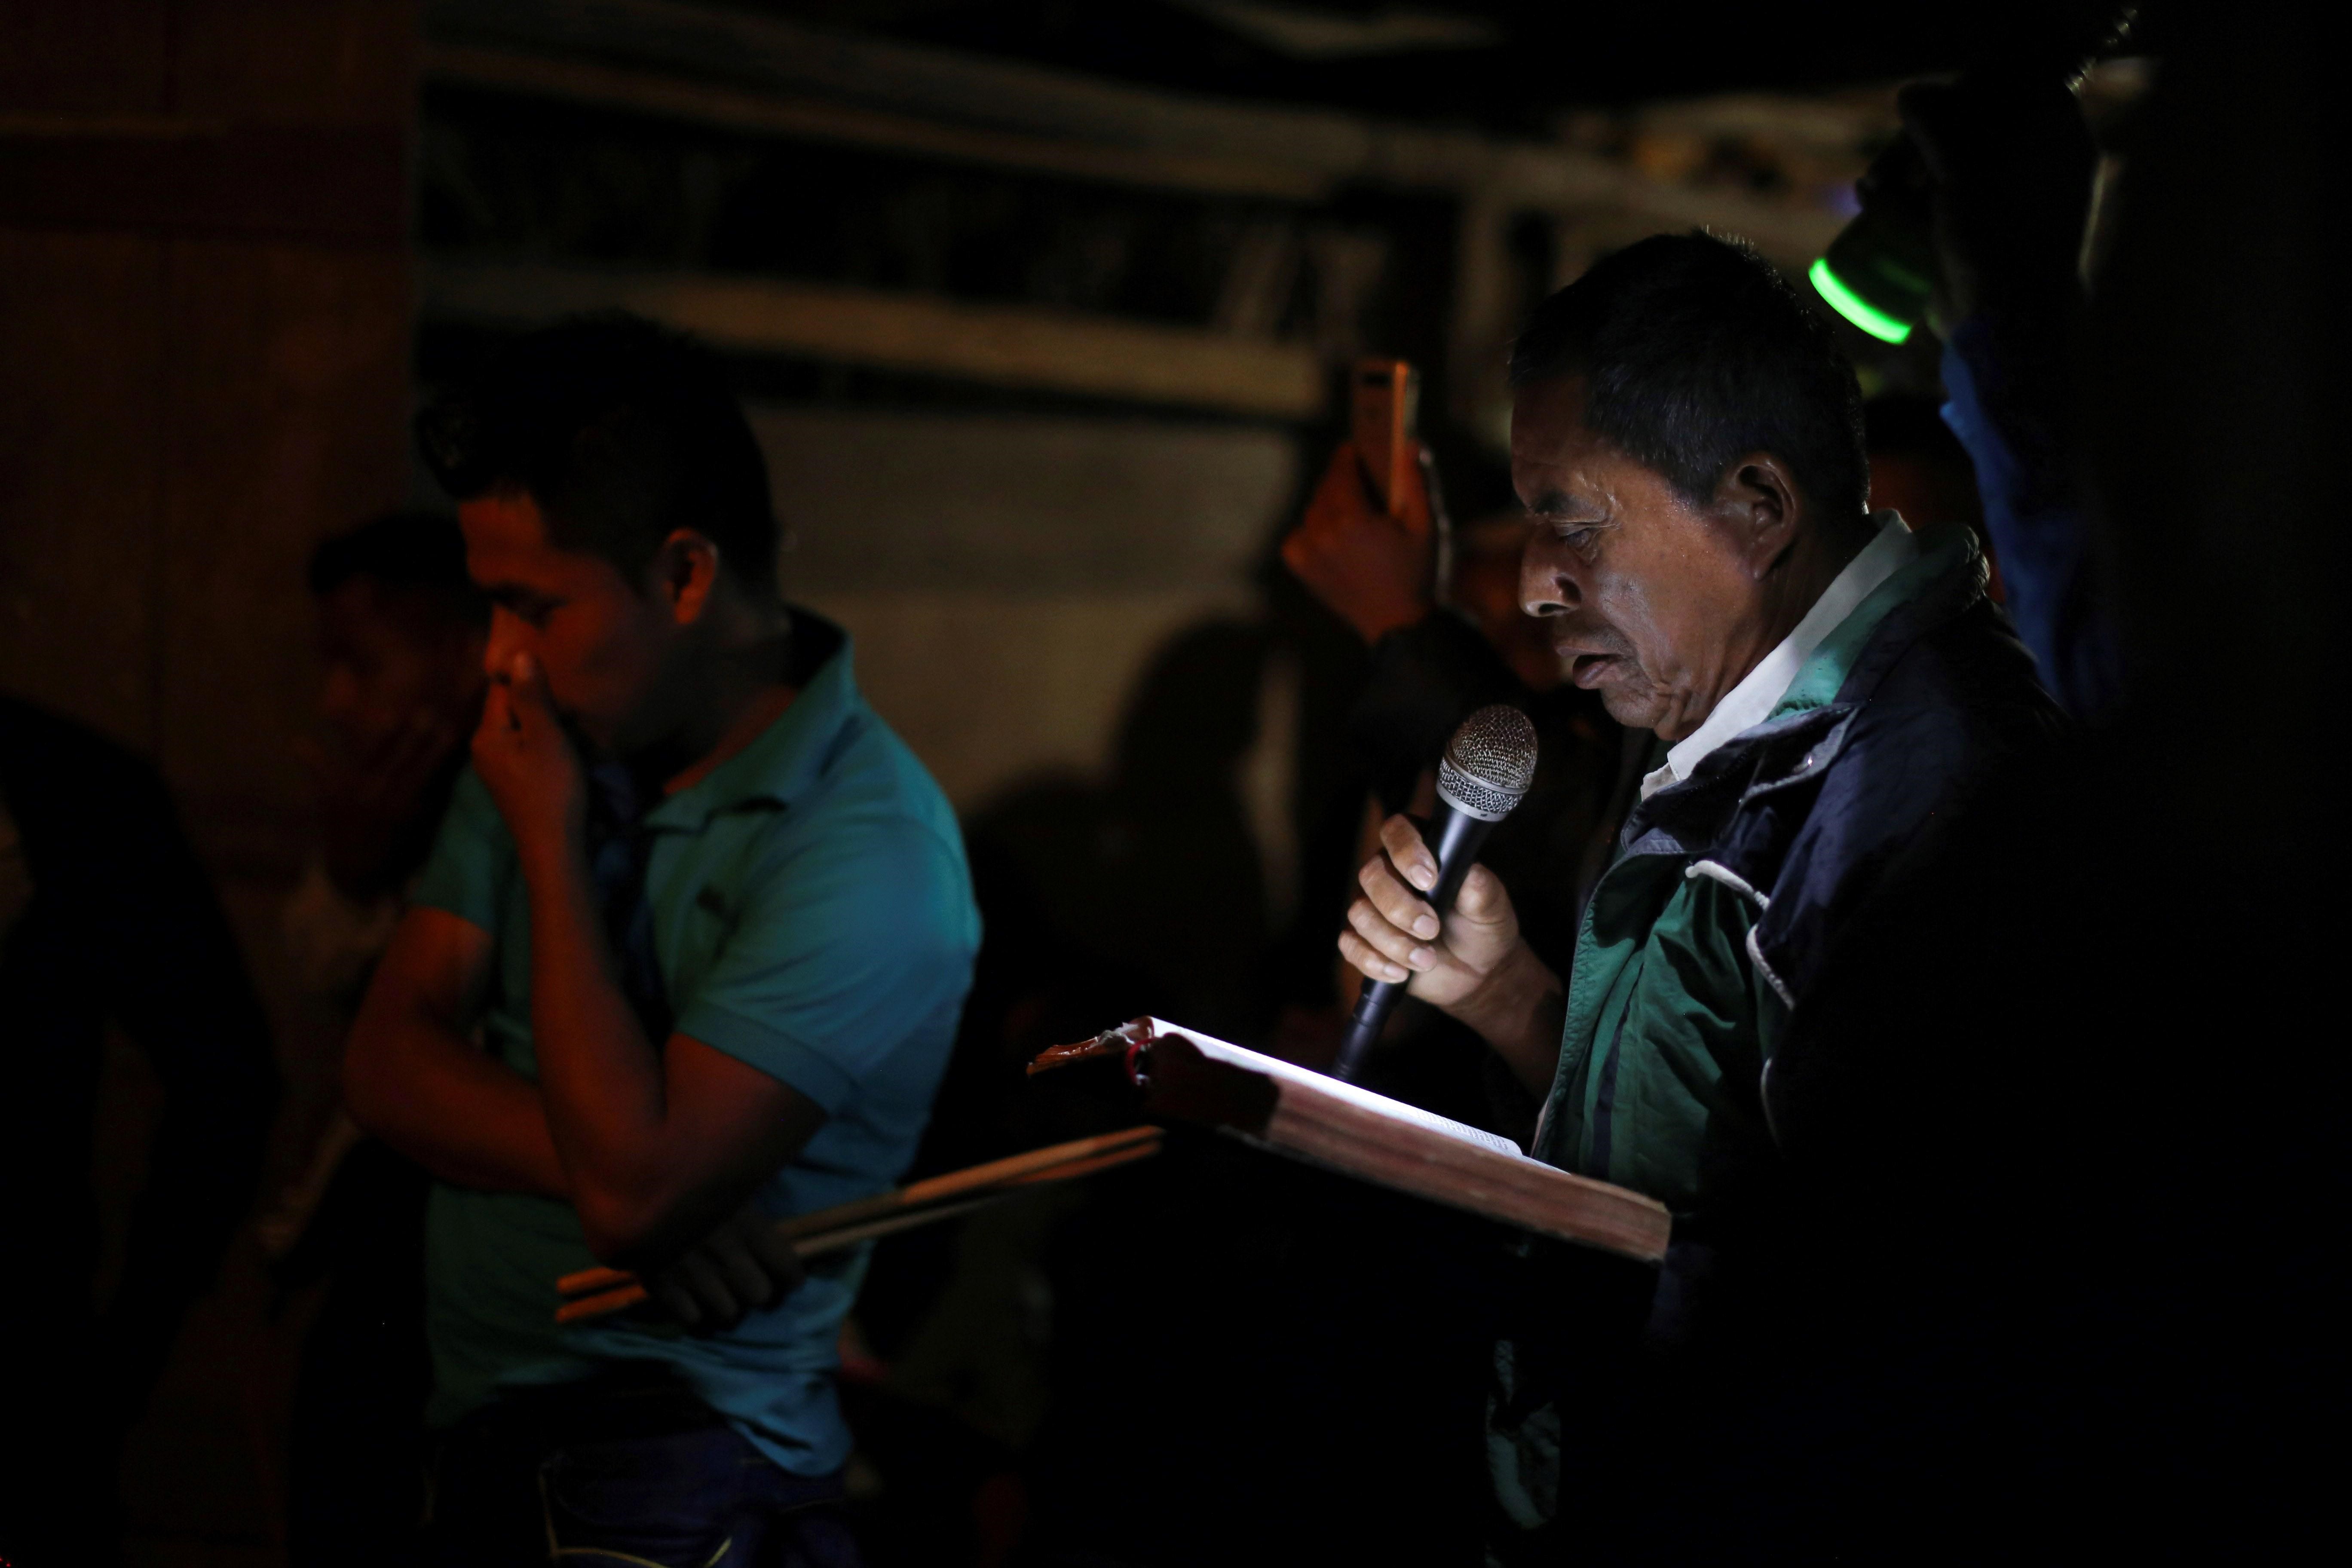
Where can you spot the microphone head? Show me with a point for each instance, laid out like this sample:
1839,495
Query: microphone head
1489,763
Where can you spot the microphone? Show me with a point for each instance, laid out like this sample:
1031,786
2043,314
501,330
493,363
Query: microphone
1485,772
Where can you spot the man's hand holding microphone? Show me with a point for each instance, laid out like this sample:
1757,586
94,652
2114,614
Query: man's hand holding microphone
1470,963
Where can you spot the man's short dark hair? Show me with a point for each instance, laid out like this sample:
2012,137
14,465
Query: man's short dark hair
622,431
1695,351
413,552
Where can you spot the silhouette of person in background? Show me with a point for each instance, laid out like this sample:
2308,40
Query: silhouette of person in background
106,918
400,634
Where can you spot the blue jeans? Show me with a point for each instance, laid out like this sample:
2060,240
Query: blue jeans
644,1477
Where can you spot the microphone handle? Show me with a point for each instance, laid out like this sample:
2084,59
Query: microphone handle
1455,838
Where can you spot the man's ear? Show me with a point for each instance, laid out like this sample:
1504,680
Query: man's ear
686,572
1760,499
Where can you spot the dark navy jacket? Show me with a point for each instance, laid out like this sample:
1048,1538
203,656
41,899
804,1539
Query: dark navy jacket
1816,811
1731,888
1814,817
1776,849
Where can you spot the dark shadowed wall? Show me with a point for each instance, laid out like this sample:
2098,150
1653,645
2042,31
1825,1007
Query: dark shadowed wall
204,314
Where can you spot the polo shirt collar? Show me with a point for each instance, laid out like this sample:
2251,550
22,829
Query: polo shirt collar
1752,701
786,759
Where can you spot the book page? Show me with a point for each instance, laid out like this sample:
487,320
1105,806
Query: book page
1322,1083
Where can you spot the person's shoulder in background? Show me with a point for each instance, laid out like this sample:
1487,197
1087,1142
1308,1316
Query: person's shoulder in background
51,765
92,816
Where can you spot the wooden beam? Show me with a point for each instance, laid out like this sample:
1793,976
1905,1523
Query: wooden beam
767,53
1534,179
1842,125
763,55
1002,346
673,96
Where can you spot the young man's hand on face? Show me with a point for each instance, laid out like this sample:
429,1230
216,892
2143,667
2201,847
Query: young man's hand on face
526,758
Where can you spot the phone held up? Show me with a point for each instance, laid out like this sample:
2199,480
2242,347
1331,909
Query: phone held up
1384,396
1384,406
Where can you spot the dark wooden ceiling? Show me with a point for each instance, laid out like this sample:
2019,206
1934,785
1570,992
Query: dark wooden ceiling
1542,57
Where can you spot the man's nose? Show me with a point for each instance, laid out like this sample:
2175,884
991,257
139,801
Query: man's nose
1546,585
498,647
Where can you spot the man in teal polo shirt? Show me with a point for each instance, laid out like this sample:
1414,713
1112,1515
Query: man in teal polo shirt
688,956
1826,688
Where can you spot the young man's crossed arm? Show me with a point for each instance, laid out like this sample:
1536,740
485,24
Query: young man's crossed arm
656,1151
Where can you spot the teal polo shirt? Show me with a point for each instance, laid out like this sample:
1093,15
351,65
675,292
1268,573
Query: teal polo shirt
813,917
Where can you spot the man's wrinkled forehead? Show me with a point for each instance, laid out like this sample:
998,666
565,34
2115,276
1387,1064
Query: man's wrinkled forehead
1553,453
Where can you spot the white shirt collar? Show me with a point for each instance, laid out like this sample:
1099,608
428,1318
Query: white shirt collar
1752,701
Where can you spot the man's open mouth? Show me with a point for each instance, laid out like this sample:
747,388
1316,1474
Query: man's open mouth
1587,668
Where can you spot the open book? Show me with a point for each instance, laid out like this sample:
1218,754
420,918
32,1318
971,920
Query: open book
1294,1110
